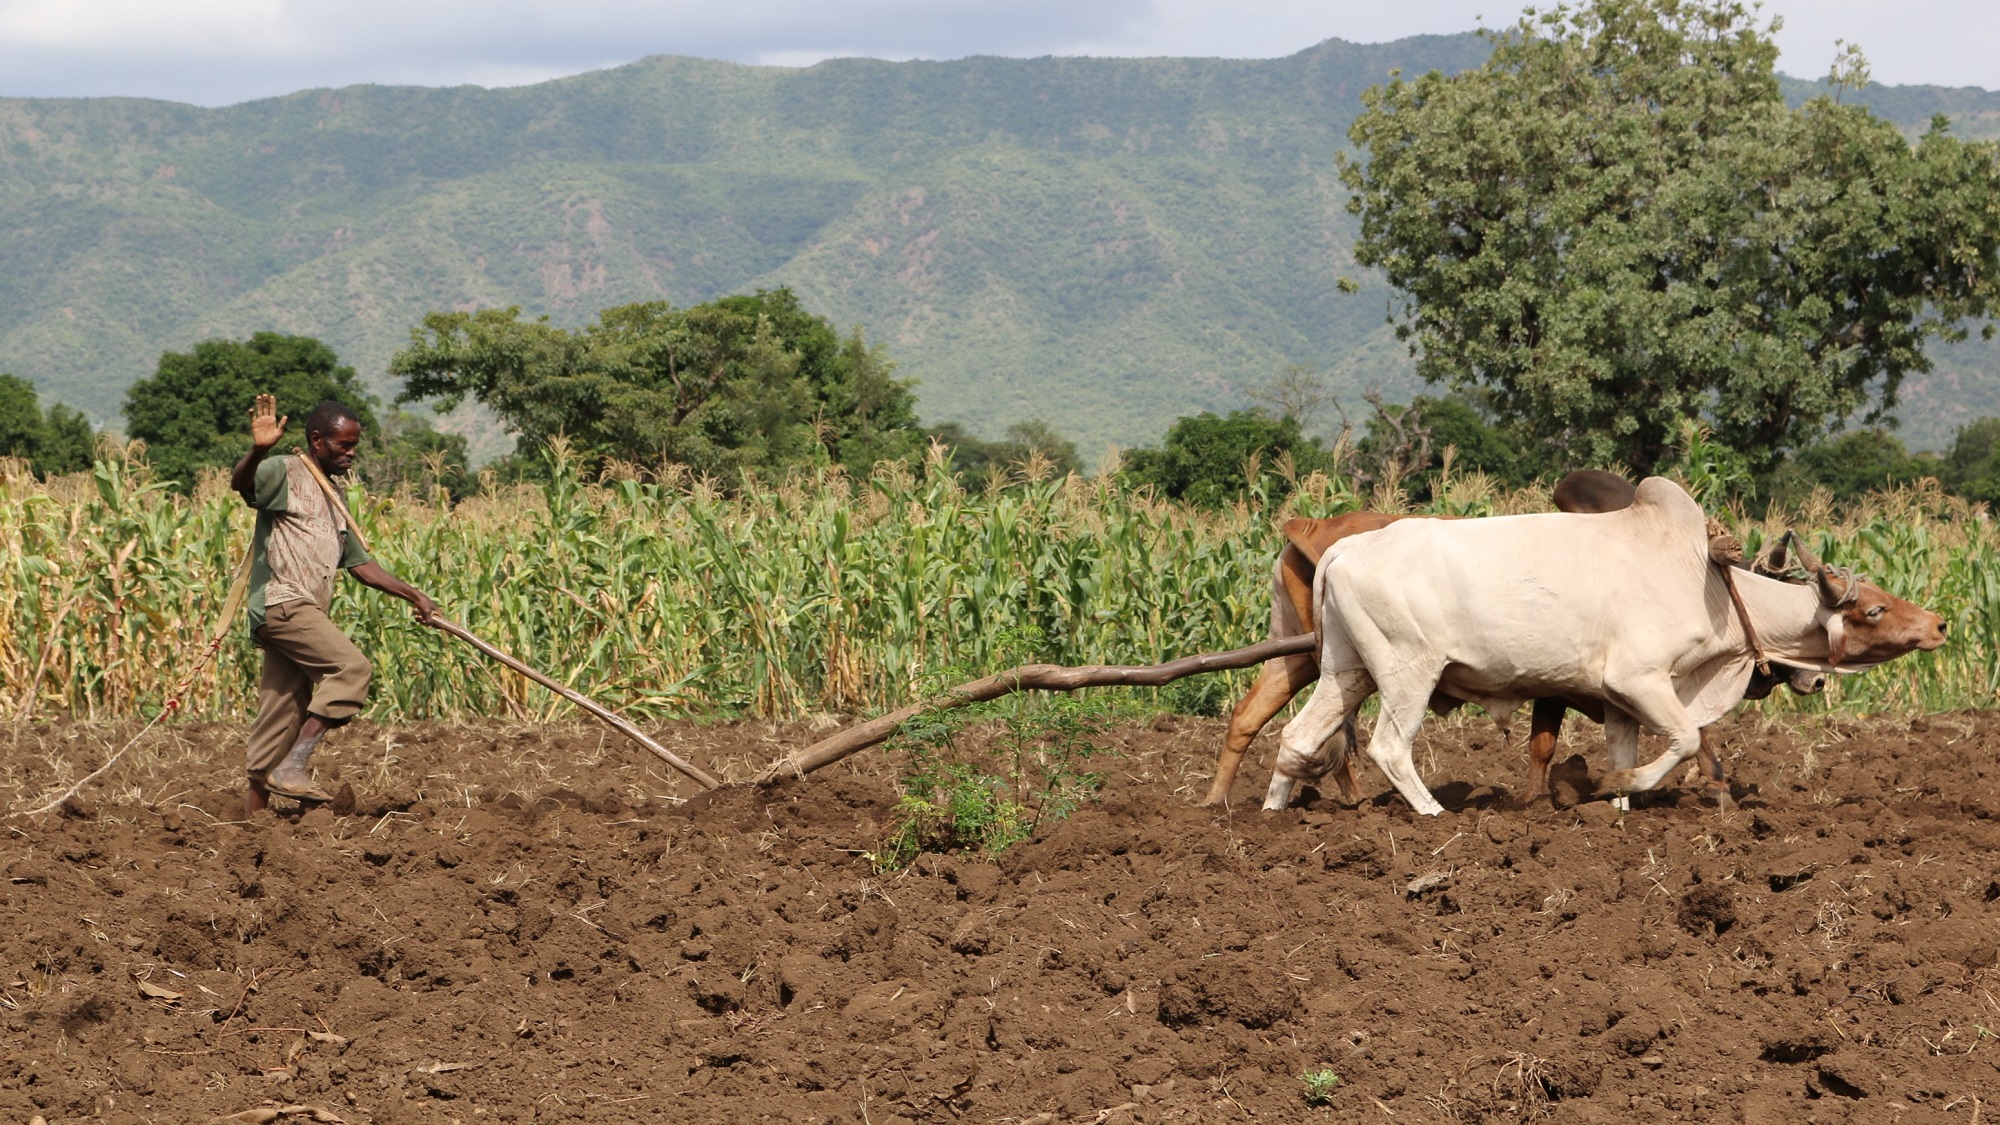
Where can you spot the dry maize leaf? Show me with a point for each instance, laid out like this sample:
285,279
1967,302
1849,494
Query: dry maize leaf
260,1114
154,992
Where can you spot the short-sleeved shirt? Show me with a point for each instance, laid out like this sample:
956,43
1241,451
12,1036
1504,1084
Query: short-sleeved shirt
301,542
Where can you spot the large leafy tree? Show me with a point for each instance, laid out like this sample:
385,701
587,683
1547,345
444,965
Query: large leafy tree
1858,462
1616,224
1971,468
194,413
1212,461
744,383
1413,440
20,418
57,440
981,463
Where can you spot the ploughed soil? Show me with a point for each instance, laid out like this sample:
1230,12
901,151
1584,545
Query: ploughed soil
516,923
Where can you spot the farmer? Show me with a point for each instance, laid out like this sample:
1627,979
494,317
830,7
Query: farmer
314,678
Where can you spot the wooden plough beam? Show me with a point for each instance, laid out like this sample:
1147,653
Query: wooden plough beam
1039,677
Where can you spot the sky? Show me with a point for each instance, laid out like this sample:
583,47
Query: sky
219,52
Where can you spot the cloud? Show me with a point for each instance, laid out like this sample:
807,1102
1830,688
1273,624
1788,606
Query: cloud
87,27
220,51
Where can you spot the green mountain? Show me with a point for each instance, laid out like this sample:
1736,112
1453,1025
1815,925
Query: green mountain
1103,243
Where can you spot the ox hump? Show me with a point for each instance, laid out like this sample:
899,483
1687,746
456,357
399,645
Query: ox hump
1674,515
1665,496
1669,503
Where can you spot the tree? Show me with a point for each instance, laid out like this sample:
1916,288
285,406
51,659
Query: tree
1971,468
1860,462
1616,224
1211,461
408,450
68,442
20,418
58,440
1297,392
744,383
1401,442
979,463
194,413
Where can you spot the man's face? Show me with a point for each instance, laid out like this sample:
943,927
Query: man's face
335,451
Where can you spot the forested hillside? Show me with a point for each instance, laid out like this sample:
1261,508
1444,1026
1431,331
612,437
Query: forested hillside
1104,243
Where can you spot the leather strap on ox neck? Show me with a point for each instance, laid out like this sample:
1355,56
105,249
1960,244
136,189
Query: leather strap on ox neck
1757,652
1725,551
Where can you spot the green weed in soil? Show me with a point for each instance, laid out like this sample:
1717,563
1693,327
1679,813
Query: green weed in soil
1319,1086
1036,769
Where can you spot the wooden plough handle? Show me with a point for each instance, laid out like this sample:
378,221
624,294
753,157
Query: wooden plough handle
1043,677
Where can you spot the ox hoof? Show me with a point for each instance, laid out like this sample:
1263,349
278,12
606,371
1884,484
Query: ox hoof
1618,785
1280,793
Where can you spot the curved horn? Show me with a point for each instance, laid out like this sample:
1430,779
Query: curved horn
1805,556
1773,563
1837,585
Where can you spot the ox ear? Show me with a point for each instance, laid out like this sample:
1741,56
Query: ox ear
1311,537
1836,640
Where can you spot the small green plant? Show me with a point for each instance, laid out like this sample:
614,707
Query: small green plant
948,806
1320,1085
1041,750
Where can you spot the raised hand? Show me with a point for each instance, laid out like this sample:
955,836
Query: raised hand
266,427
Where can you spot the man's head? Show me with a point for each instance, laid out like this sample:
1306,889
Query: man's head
333,434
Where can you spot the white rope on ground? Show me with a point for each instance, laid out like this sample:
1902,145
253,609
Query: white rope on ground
225,622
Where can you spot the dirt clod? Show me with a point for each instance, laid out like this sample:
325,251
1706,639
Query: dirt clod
502,923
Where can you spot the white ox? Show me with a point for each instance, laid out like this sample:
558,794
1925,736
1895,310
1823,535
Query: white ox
1623,607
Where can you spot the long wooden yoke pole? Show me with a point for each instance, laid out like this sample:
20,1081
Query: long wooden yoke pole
609,718
441,623
1045,677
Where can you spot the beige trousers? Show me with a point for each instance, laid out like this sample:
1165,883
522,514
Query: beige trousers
310,668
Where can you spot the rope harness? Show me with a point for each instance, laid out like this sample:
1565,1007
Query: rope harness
1785,561
1725,551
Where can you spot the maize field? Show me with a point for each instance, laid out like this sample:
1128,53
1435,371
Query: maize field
663,597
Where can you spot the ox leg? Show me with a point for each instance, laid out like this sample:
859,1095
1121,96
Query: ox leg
1543,735
1621,738
1395,737
1315,733
1343,771
1711,771
1277,682
1656,705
